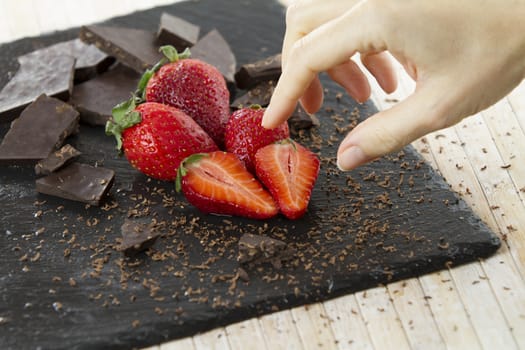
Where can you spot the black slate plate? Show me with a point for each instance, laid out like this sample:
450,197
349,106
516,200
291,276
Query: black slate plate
63,284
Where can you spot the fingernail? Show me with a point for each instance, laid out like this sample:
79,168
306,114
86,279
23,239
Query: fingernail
265,119
351,158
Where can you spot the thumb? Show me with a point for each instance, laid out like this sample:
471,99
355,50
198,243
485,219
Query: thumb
392,129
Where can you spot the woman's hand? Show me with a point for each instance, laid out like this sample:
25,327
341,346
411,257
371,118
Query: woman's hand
464,56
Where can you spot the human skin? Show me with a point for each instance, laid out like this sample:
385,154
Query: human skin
463,55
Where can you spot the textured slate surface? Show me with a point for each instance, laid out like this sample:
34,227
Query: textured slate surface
63,284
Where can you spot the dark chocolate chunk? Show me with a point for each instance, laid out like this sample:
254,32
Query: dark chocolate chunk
257,249
90,61
135,48
251,74
46,74
95,98
259,95
78,182
177,32
215,50
40,129
301,119
138,235
56,160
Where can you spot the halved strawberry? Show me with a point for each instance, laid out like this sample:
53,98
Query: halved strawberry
289,171
218,183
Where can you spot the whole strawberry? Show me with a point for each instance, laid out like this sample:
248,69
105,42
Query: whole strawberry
245,134
195,87
289,171
155,137
218,183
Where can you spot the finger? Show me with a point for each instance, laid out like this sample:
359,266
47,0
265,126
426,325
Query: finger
352,79
392,129
312,99
304,16
380,65
328,46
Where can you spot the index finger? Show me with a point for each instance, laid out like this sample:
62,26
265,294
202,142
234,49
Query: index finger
327,46
304,16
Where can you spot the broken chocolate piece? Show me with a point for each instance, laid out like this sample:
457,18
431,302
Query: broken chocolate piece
46,74
301,119
215,50
251,74
259,95
258,249
177,32
56,160
135,48
40,129
95,98
90,61
78,182
137,236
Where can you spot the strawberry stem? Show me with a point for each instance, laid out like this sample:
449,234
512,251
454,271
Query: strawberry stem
172,55
124,116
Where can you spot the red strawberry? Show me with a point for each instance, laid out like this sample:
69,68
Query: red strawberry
245,134
218,183
196,87
156,137
289,171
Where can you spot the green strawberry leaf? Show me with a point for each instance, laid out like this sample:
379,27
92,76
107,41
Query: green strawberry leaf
124,116
182,171
143,82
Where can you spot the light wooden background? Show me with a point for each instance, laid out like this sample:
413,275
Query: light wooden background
476,306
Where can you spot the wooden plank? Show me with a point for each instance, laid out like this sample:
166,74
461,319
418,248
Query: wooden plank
500,274
449,312
501,270
382,319
280,332
216,339
496,184
348,327
20,18
517,101
411,304
313,326
508,137
181,344
245,334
